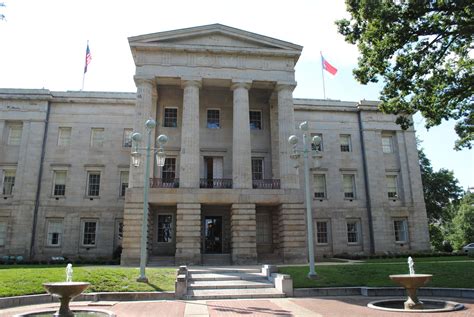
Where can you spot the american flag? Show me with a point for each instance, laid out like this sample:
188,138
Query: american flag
88,57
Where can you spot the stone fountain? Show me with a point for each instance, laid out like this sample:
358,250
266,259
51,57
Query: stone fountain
411,282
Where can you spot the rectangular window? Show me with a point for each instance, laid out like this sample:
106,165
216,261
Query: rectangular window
64,136
8,182
345,140
392,191
349,186
59,188
353,231
213,119
401,230
127,138
97,137
14,134
264,228
89,233
170,118
165,227
255,120
322,233
93,184
319,185
123,182
3,233
257,168
318,147
168,172
55,232
387,144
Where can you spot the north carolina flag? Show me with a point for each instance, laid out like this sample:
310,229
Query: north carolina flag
328,67
88,57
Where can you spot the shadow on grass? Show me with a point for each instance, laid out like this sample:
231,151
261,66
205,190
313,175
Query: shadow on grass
156,288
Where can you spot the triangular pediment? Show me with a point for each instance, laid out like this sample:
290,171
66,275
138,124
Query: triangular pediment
213,36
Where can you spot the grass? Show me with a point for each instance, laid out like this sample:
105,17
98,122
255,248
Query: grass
23,280
421,259
445,274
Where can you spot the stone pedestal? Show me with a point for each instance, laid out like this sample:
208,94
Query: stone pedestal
292,225
244,234
189,157
241,148
188,234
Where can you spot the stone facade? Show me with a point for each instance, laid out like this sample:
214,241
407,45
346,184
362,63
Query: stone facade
229,190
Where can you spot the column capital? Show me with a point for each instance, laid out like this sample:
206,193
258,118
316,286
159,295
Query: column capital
144,81
191,82
285,86
246,84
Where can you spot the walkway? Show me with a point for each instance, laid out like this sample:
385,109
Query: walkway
315,307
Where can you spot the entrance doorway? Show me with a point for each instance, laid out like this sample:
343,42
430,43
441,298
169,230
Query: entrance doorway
213,234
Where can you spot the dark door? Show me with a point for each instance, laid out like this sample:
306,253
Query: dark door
213,234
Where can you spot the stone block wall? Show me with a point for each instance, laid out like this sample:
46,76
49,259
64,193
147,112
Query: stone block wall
244,234
188,234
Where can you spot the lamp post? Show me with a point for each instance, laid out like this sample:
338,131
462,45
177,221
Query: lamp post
293,140
150,125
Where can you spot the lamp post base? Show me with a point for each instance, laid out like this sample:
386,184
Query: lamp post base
313,276
142,279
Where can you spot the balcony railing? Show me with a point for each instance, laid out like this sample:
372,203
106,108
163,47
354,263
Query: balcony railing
266,183
215,183
164,182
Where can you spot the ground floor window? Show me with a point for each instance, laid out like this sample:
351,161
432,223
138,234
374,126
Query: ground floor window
3,233
400,227
165,227
55,232
89,232
322,232
353,231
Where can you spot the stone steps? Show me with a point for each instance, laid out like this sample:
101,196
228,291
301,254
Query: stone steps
234,293
224,284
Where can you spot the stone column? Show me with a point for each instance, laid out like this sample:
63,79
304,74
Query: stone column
189,158
244,234
144,110
286,127
188,234
241,148
292,233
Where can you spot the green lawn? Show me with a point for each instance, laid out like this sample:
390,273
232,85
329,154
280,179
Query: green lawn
445,274
23,280
422,259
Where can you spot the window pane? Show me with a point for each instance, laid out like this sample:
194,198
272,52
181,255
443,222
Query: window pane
127,137
264,228
345,140
89,237
64,136
387,144
352,232
348,182
213,119
165,223
14,134
401,230
59,183
123,182
3,233
8,181
55,230
171,118
321,232
169,169
255,120
94,184
392,186
257,169
319,186
97,137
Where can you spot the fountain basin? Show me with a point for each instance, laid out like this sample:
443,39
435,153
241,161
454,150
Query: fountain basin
411,280
65,291
429,306
77,313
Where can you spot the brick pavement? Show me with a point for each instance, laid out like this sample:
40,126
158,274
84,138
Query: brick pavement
353,306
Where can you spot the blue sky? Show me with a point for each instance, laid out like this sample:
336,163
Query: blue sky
43,45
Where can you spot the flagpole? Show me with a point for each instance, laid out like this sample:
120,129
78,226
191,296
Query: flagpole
322,75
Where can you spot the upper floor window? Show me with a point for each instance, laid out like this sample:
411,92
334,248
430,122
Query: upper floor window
8,181
89,232
353,231
3,233
123,182
93,184
255,120
55,232
97,137
322,232
387,143
392,191
318,147
170,118
400,227
349,186
127,138
64,136
257,168
169,169
213,119
345,140
59,187
14,134
319,186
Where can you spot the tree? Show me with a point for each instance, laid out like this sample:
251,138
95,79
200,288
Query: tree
421,50
463,222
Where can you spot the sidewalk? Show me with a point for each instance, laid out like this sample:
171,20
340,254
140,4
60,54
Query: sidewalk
354,306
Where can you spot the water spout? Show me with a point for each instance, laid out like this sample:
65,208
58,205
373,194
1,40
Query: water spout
411,266
69,273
